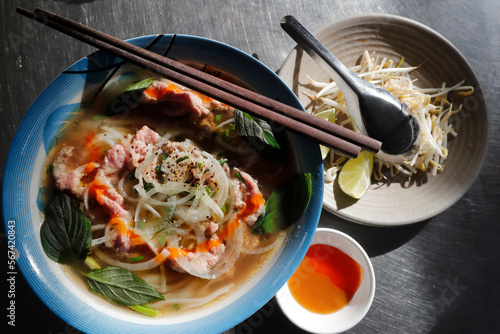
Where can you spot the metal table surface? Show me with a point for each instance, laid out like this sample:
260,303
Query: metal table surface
436,276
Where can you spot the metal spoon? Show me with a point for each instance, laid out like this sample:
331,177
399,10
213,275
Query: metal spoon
373,110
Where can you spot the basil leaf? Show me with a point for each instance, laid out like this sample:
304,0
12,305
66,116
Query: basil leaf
129,97
254,129
66,234
122,286
285,206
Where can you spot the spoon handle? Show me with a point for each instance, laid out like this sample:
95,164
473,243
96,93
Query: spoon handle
347,81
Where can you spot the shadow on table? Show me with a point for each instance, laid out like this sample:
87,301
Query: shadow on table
375,240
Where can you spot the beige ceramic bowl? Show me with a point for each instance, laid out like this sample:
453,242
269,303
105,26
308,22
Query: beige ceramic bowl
396,202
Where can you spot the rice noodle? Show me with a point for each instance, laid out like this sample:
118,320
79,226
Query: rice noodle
229,121
99,241
163,279
189,303
98,227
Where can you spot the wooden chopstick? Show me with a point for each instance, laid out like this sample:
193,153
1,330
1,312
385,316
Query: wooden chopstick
344,141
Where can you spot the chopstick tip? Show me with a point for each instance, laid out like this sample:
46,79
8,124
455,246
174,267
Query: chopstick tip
23,11
39,14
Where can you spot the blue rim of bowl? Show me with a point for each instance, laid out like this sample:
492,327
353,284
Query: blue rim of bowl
58,98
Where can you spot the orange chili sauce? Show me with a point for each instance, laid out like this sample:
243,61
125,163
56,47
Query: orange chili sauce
326,279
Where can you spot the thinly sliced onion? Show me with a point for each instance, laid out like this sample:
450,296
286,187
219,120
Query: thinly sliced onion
99,241
153,247
151,209
221,179
233,248
141,203
199,231
197,215
212,205
225,263
98,227
174,188
143,266
197,193
124,194
228,121
109,135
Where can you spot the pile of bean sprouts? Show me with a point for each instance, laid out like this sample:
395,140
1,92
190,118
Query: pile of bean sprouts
429,106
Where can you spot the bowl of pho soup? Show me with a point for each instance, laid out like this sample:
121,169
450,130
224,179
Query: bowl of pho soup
144,206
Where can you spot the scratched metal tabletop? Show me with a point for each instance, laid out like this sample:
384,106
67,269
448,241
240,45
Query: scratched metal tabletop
437,276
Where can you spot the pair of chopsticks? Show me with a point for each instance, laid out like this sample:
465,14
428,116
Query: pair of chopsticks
342,140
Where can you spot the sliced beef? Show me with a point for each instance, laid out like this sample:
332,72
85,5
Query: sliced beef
180,102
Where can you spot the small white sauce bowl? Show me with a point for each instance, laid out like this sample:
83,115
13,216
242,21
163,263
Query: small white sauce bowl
353,312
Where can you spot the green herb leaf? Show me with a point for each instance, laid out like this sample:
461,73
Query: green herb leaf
225,135
148,186
122,286
50,169
181,159
129,97
66,234
254,129
285,206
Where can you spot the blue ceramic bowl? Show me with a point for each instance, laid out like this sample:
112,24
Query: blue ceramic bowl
21,211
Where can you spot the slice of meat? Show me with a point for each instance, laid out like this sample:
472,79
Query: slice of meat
108,198
118,233
131,154
198,263
115,160
102,187
68,177
180,102
212,228
139,144
249,202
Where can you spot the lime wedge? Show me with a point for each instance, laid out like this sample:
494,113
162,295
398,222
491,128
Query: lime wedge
355,176
324,151
328,115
